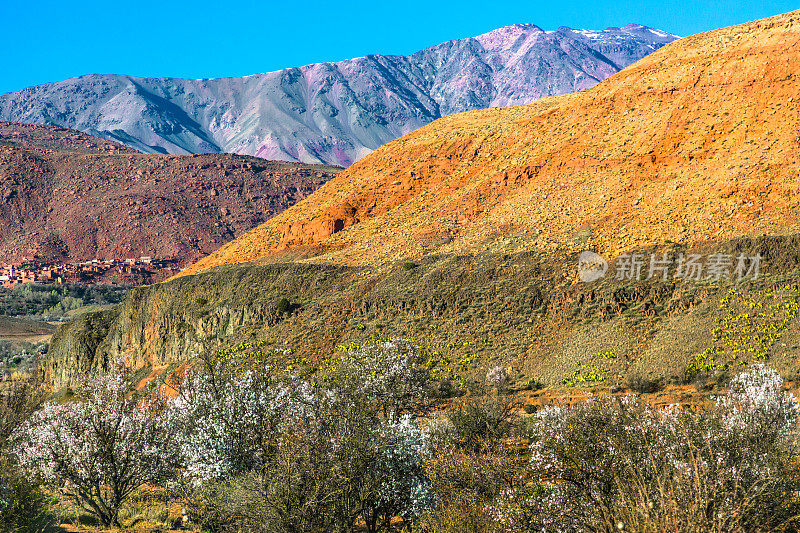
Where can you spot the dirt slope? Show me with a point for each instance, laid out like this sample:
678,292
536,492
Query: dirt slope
697,141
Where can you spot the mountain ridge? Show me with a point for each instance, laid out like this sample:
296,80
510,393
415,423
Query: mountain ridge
68,197
333,112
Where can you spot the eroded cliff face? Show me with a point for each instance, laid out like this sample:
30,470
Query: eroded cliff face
524,311
76,348
173,321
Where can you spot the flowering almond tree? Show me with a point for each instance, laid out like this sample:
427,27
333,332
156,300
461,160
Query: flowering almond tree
228,421
100,449
307,456
386,375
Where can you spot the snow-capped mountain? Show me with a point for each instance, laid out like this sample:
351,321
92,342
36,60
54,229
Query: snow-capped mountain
334,112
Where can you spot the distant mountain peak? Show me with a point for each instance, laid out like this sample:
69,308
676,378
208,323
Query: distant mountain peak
507,35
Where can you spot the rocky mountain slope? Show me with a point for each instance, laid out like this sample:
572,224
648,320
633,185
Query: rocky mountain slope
67,196
334,112
697,134
466,234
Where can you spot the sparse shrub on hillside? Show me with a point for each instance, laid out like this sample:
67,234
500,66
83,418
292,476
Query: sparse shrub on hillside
284,306
533,384
752,324
591,372
614,463
475,387
643,385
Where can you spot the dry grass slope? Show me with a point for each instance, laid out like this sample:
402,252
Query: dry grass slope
465,234
698,141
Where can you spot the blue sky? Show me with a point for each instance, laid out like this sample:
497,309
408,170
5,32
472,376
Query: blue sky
46,40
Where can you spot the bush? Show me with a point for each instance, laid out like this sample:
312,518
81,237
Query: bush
643,385
446,389
17,401
386,375
329,466
462,515
284,306
466,480
23,507
278,454
480,422
617,464
533,384
497,378
220,505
